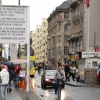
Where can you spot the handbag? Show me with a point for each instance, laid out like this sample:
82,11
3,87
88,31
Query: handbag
63,85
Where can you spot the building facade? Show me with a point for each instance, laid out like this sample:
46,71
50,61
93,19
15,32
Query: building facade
40,41
57,44
84,29
76,29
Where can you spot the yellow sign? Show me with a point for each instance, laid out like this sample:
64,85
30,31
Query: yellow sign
0,49
72,57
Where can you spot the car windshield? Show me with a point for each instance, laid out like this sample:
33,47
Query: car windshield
51,73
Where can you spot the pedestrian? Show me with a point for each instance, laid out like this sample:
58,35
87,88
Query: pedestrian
77,74
72,72
11,75
16,73
21,78
59,76
67,71
5,81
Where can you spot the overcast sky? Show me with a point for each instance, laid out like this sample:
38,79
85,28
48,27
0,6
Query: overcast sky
38,9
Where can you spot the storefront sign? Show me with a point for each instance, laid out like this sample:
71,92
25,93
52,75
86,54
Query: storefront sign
91,54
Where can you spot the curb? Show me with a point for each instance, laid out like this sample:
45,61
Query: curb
38,95
75,85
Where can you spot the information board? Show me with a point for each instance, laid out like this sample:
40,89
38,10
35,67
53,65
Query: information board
13,24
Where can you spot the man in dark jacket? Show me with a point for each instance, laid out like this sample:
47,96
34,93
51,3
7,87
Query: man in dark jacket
67,71
11,75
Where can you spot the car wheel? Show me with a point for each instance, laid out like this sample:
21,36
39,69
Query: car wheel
44,86
41,85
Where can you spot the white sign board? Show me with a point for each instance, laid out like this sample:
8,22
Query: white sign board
91,54
13,24
13,51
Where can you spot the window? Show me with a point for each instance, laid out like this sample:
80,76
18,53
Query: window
66,15
53,51
59,27
38,30
43,24
66,27
65,38
53,39
59,38
59,50
60,16
66,50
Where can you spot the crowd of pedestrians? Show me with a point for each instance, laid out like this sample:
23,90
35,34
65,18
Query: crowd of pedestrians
12,74
71,71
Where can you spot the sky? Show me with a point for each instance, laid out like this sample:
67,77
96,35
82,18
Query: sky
38,9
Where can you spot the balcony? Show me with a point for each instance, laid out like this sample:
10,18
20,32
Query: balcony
74,19
53,35
74,3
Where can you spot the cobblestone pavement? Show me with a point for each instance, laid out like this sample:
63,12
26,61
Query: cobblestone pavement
33,96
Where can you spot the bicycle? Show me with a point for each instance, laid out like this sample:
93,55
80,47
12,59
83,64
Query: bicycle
59,88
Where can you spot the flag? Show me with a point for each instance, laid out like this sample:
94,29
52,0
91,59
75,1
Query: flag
96,48
87,2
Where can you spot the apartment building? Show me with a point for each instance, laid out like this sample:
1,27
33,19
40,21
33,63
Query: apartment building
57,44
39,37
43,40
84,22
76,29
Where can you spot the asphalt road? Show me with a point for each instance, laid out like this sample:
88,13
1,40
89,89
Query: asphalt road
69,93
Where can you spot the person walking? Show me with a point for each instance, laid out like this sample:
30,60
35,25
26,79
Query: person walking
67,72
4,74
21,78
72,72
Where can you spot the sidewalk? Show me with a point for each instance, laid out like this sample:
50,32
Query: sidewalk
13,95
79,84
76,84
18,95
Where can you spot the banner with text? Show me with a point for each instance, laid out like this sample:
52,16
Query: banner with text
13,24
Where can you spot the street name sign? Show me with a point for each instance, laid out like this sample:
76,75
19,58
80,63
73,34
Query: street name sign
13,24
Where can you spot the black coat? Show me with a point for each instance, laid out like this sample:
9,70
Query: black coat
67,69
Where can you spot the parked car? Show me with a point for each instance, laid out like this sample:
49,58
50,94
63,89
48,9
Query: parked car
47,78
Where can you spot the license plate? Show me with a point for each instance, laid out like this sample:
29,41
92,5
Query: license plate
53,82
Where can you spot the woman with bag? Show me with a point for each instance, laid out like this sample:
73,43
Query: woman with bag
21,77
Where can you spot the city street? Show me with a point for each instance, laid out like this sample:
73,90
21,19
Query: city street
69,93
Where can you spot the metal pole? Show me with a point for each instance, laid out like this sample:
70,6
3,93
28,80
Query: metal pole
28,54
0,2
94,40
19,2
75,50
88,38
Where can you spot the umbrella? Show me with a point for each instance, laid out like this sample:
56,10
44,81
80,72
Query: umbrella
19,61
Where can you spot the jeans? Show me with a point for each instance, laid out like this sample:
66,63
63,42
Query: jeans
3,92
56,84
